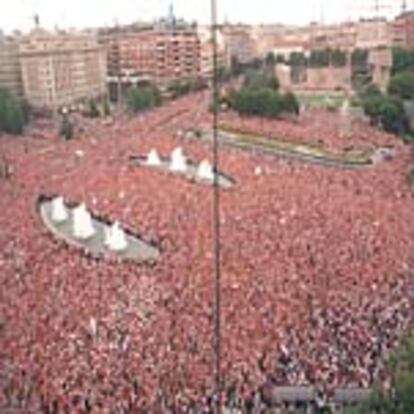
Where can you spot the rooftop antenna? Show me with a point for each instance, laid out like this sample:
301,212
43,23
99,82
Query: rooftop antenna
171,15
36,20
404,6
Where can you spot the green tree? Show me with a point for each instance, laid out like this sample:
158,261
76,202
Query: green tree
387,112
255,79
400,399
359,58
320,58
338,58
264,102
402,85
297,59
370,90
14,114
270,59
179,88
139,99
291,103
402,60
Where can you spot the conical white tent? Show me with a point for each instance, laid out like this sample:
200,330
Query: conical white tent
178,160
115,238
82,223
153,158
205,171
59,211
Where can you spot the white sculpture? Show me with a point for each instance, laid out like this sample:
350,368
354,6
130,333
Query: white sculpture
178,160
82,223
59,211
153,158
115,238
205,171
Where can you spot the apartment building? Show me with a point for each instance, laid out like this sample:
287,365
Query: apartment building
240,43
61,68
160,53
403,30
10,72
206,52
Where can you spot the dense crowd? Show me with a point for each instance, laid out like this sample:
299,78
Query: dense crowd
317,271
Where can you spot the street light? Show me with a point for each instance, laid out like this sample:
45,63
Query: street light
216,218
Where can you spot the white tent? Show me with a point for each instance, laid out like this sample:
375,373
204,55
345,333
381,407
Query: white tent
153,158
205,171
82,223
59,211
178,160
115,238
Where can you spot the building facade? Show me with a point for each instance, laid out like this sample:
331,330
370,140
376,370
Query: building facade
62,68
403,30
10,71
240,43
161,53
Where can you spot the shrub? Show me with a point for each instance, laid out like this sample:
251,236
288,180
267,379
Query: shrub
264,102
258,80
291,103
402,85
386,111
371,90
143,98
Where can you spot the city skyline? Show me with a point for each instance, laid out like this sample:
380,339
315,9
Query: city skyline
19,15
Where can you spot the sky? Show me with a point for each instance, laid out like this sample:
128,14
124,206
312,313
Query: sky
18,14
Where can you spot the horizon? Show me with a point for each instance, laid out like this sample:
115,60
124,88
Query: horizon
20,15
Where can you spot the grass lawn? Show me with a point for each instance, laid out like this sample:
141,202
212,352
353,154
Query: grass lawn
354,157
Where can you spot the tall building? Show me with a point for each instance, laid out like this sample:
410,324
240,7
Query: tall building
177,53
161,53
62,68
403,30
10,71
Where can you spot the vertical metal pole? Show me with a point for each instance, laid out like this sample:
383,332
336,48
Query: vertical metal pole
216,217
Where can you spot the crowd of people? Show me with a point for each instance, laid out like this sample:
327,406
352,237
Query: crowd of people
317,271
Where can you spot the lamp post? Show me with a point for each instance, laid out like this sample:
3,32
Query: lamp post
216,218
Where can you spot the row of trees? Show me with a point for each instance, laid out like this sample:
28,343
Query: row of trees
326,57
145,97
14,113
183,87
